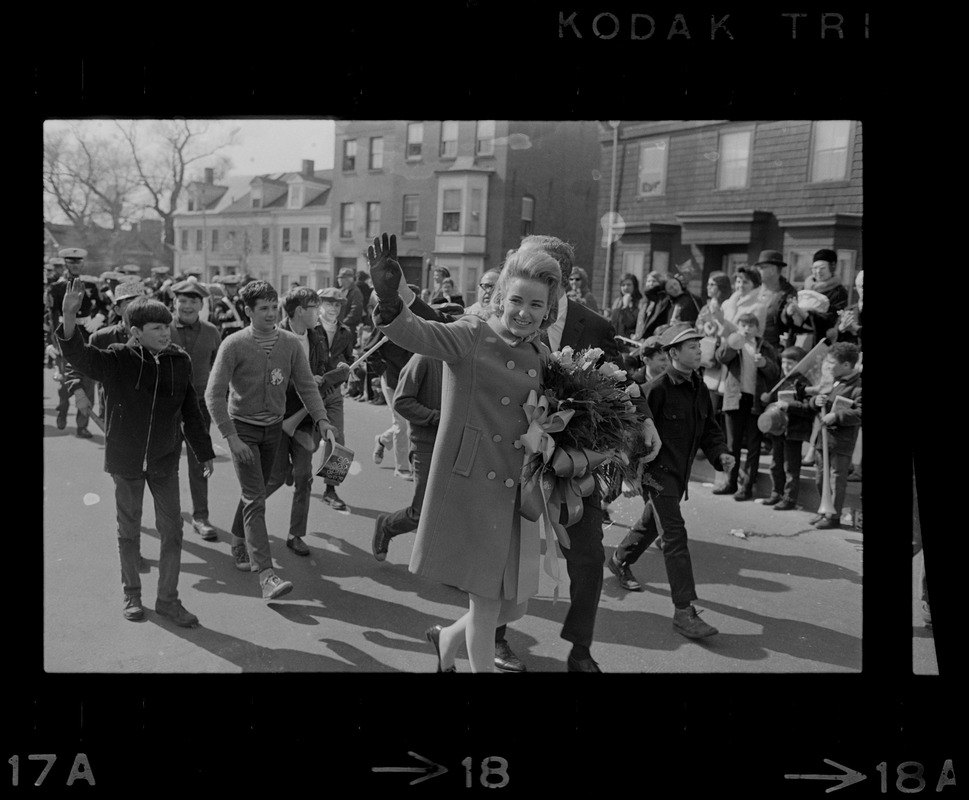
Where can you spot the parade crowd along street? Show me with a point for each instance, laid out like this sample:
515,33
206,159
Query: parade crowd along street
518,417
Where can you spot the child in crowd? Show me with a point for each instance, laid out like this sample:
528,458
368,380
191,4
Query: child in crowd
752,369
148,395
787,444
840,412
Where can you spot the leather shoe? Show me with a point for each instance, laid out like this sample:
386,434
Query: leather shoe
61,421
380,541
334,502
827,522
84,433
727,488
687,622
626,578
433,635
773,500
574,664
506,660
785,505
743,494
297,545
205,529
815,519
133,609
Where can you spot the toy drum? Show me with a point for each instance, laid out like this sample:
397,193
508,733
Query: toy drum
335,462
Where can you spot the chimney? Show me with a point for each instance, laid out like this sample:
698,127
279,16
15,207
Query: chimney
307,168
209,175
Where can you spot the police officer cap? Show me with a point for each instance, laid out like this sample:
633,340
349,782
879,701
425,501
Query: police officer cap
190,287
72,252
56,262
679,333
128,289
347,272
330,293
230,280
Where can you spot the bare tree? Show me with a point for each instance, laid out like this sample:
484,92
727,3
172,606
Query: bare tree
168,155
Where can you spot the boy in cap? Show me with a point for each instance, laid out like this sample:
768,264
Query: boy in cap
253,369
148,398
680,406
201,340
840,411
786,444
229,312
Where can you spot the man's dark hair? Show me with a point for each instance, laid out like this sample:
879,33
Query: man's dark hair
143,310
299,297
752,273
749,318
255,291
844,352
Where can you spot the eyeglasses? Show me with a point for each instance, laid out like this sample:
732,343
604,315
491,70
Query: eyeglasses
486,286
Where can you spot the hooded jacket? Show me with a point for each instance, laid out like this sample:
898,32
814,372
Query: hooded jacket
147,398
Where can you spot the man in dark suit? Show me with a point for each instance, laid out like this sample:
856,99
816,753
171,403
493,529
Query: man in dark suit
578,328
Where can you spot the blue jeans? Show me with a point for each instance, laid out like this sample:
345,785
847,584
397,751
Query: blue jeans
302,460
129,496
250,519
198,484
407,519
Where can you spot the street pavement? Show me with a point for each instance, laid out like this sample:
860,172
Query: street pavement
786,597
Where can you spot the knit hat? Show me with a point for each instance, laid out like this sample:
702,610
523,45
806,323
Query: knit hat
826,255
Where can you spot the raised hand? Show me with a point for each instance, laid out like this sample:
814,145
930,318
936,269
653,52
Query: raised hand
73,298
385,272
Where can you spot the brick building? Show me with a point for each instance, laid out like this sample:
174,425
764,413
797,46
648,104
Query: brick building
460,193
711,194
272,227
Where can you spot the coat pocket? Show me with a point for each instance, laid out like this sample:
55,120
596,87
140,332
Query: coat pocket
467,451
674,423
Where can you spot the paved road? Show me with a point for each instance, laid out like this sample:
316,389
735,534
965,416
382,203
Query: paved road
787,598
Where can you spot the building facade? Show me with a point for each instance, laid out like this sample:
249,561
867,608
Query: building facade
710,195
272,227
461,193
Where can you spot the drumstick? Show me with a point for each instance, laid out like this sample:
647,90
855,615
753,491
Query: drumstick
373,349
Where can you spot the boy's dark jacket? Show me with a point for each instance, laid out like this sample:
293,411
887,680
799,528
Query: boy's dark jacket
800,411
843,434
323,358
767,375
147,398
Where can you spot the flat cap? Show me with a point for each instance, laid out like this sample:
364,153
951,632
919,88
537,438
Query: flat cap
679,333
190,287
330,293
128,289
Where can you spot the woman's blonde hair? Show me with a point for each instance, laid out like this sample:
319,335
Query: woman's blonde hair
534,265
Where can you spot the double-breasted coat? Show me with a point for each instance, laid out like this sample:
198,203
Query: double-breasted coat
469,534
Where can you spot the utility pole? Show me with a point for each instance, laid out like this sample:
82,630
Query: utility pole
607,283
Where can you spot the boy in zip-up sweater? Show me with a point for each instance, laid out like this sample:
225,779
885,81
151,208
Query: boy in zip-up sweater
147,393
254,367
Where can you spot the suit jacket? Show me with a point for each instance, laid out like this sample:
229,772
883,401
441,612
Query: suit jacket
584,328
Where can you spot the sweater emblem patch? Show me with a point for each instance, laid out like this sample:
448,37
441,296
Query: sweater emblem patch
276,377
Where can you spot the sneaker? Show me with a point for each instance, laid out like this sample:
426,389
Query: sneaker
742,494
133,609
273,586
176,612
61,421
381,541
773,500
687,621
84,433
506,660
406,474
826,523
297,545
241,556
727,488
378,450
205,529
626,578
334,502
785,505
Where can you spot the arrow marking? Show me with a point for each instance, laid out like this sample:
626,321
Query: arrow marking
849,777
433,769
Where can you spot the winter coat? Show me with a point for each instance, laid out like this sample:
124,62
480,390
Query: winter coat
624,317
147,398
654,310
341,349
470,525
767,375
738,304
800,411
418,400
775,325
843,434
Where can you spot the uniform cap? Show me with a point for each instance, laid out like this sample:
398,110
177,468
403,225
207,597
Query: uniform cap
72,252
679,333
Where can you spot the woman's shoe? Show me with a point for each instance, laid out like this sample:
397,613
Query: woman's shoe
433,635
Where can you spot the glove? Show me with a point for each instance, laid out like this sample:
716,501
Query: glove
337,375
385,272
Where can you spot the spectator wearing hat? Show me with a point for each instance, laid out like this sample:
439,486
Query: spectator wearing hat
580,291
745,299
201,340
679,404
79,385
789,428
352,312
751,370
816,323
775,293
229,312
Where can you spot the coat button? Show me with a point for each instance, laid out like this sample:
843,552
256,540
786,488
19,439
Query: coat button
532,373
509,482
496,437
505,400
518,444
510,365
492,476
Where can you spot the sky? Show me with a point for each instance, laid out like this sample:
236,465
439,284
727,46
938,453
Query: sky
279,145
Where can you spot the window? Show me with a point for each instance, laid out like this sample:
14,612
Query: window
304,240
349,155
191,203
451,211
373,220
198,240
412,206
652,167
215,241
632,262
264,243
346,220
733,165
256,202
321,241
184,240
415,139
285,240
474,218
295,196
484,140
829,151
377,152
528,215
449,138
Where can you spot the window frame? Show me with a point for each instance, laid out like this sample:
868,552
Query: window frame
287,242
527,223
849,153
653,143
444,127
373,221
322,237
184,240
478,139
199,240
748,129
349,161
214,241
419,144
344,218
304,239
265,240
415,218
371,161
445,212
